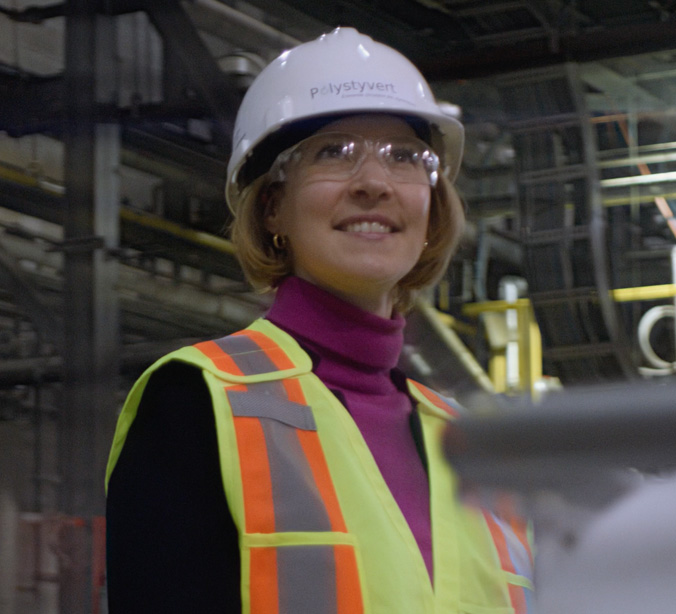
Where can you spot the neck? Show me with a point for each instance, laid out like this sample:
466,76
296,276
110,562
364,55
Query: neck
336,329
379,302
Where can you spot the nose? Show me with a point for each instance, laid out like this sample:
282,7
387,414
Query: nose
371,181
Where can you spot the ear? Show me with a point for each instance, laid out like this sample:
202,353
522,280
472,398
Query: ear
271,216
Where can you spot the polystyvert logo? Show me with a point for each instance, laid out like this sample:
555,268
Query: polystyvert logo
353,88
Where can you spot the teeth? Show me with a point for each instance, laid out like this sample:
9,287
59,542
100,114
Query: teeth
368,227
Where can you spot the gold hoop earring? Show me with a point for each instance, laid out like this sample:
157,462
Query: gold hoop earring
279,242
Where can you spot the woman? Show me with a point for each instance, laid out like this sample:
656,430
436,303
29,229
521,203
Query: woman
291,467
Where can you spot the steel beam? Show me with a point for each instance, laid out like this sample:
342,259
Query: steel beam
35,14
588,46
183,41
240,29
31,104
91,332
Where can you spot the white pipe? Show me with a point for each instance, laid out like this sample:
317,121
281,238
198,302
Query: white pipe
639,180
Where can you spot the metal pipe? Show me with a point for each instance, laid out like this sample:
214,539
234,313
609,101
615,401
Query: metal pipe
196,237
200,184
636,160
571,434
46,369
645,293
639,179
455,345
135,284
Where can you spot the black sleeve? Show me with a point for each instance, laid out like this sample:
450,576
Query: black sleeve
172,546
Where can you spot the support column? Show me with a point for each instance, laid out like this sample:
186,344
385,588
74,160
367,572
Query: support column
90,304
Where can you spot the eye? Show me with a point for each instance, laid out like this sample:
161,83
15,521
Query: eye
332,149
404,155
337,150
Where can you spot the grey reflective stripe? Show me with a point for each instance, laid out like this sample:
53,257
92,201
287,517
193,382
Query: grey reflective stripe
307,580
255,404
274,388
297,503
246,354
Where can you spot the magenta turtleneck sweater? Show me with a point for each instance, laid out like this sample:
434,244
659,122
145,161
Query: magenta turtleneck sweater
355,353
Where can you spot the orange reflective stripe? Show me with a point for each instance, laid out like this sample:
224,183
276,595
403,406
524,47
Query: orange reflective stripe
221,360
312,447
276,354
263,593
434,398
500,543
505,507
246,352
520,528
294,391
348,587
259,511
518,599
516,593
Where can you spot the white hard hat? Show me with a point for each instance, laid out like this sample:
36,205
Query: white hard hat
340,73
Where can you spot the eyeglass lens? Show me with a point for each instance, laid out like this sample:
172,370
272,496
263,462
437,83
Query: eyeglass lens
332,155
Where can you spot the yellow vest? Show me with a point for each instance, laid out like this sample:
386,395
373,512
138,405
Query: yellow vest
320,531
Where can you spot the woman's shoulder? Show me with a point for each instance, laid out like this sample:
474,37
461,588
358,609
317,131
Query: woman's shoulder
174,385
176,374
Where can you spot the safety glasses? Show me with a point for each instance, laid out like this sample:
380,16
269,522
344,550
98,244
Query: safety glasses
335,156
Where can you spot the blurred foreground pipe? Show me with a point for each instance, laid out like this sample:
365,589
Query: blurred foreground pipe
605,535
572,439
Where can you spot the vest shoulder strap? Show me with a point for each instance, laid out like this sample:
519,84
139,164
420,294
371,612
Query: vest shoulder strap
261,352
433,402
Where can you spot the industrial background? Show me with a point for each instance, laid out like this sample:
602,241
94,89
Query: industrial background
115,123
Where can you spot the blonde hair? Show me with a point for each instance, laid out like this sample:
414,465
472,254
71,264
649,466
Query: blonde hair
265,266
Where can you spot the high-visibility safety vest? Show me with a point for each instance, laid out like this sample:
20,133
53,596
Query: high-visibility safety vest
319,530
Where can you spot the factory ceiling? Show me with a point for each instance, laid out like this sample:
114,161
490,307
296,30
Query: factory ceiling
568,174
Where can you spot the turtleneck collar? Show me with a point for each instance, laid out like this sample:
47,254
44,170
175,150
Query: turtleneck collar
314,315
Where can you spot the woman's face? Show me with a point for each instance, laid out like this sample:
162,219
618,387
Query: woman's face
354,236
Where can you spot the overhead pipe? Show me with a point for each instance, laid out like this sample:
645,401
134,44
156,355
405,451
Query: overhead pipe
242,27
139,282
200,186
41,369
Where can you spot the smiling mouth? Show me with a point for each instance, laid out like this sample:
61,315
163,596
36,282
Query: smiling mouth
368,227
